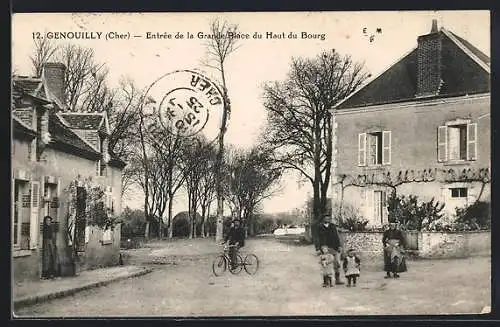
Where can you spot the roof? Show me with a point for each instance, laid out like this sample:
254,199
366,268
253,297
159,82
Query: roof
63,135
484,58
80,120
28,85
464,70
20,127
115,161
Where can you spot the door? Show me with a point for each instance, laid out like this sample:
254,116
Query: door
378,207
81,223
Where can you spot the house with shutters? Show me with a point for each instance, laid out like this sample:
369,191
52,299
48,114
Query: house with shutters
58,158
421,127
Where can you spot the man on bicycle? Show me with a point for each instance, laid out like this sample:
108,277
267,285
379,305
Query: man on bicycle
236,238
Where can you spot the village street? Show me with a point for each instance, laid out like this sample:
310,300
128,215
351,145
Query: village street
288,283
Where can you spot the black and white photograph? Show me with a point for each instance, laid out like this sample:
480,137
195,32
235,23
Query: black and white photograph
250,164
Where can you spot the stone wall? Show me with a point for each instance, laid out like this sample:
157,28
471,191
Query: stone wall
454,245
368,243
98,253
425,244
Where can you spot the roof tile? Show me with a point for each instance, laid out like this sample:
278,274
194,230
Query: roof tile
83,120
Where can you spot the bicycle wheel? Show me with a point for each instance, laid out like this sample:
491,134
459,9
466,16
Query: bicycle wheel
238,266
219,265
251,264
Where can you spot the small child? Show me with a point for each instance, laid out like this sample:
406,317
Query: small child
351,267
326,260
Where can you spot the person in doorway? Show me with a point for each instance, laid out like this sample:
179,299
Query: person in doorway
48,249
328,235
351,266
394,244
236,239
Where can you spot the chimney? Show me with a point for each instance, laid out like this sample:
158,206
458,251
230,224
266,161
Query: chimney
429,62
53,74
434,28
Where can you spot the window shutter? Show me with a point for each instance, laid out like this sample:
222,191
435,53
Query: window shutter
442,145
35,204
87,234
386,147
362,149
472,141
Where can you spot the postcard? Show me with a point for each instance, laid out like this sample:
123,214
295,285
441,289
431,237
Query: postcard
251,164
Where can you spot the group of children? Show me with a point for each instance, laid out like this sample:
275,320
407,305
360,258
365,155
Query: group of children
351,265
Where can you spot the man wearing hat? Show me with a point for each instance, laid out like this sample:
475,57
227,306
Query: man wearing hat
236,238
328,235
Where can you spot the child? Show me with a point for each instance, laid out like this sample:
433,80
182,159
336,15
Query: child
351,267
326,260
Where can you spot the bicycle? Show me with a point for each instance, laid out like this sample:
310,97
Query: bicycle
223,261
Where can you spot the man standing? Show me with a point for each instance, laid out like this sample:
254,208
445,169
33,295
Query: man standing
328,235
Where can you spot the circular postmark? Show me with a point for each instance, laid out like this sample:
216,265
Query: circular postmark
187,103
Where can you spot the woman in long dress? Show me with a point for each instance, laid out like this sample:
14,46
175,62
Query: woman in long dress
394,244
49,249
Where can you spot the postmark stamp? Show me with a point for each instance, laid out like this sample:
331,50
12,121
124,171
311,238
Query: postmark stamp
187,103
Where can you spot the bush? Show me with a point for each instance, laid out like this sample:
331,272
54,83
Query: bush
349,218
411,214
474,217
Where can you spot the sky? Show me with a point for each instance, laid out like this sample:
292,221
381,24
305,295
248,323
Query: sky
256,61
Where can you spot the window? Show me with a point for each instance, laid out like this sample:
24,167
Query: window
457,141
51,200
458,192
374,148
107,237
25,220
16,221
101,167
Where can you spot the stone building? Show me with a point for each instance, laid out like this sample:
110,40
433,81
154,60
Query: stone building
58,159
421,127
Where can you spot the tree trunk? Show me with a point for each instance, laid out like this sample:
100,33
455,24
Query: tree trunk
220,157
203,212
169,221
160,230
146,230
190,216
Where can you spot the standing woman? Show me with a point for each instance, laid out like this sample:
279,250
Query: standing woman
48,249
394,244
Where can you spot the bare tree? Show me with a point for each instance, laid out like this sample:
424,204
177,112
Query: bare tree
299,119
194,162
206,186
219,48
123,115
43,52
252,177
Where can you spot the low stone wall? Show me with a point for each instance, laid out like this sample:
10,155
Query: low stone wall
454,244
368,243
425,244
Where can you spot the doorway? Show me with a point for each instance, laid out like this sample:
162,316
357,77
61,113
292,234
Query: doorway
81,219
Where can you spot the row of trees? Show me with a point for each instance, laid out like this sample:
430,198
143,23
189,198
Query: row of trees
298,134
158,161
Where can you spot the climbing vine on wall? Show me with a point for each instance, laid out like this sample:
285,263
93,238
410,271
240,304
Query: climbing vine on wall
97,212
